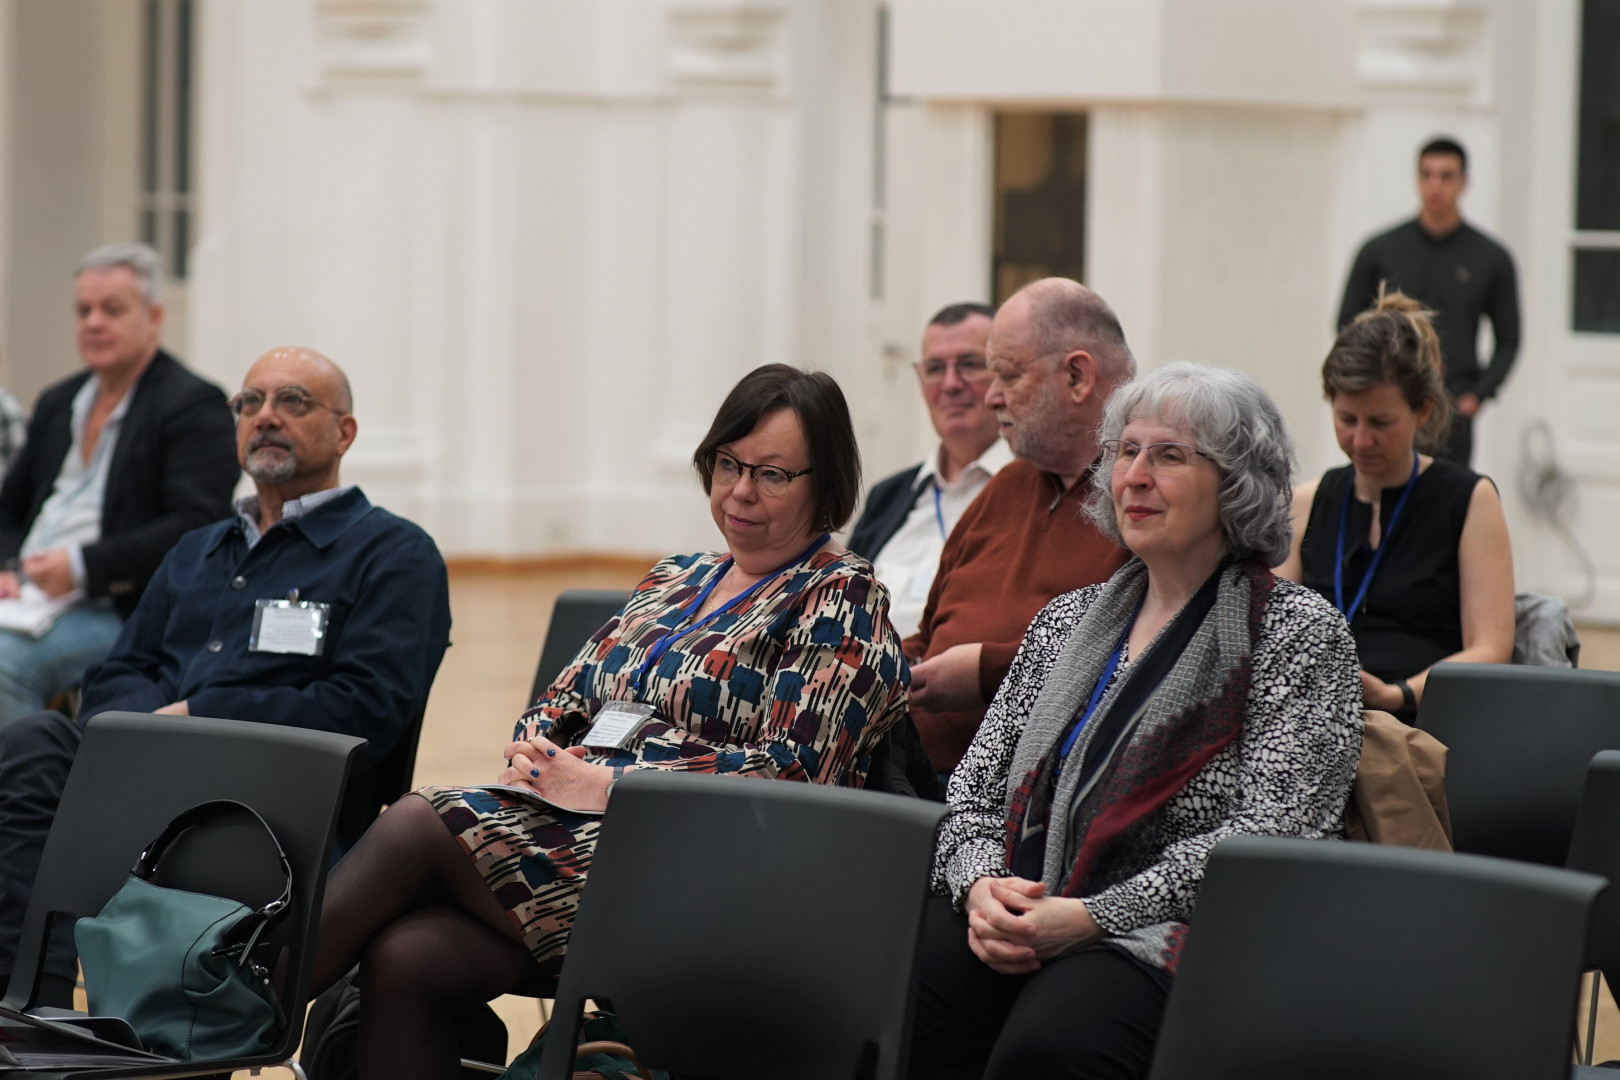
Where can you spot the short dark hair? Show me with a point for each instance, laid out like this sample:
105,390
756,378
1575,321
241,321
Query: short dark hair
1445,144
829,436
951,314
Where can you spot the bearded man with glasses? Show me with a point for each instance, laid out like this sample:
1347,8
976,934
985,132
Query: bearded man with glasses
121,459
1056,351
308,607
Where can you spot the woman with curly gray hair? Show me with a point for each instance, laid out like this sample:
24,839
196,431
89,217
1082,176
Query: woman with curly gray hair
1191,697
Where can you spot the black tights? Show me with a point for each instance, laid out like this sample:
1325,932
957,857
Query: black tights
432,940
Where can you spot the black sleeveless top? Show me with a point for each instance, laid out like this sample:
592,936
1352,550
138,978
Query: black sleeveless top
1412,615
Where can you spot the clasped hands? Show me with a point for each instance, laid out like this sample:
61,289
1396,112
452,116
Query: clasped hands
560,774
1013,925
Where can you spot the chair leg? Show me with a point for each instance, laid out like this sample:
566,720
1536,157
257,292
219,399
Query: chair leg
1591,1017
482,1066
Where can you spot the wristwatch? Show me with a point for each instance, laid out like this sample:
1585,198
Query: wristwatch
1408,698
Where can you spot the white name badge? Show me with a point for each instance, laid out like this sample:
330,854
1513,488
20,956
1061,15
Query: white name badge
295,627
615,723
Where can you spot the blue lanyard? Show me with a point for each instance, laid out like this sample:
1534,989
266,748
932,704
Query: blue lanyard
675,633
939,515
1378,556
1101,688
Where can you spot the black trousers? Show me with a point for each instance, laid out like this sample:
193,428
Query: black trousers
1091,1014
36,752
1458,442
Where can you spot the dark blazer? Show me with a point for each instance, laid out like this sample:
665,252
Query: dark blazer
173,470
887,505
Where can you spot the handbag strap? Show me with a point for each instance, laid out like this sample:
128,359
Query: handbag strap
201,814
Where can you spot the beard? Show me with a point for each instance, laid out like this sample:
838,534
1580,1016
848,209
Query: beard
265,465
1039,438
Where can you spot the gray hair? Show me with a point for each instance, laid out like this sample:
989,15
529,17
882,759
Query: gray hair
1065,315
1233,420
139,259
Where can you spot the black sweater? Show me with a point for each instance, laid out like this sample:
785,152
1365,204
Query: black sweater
1461,276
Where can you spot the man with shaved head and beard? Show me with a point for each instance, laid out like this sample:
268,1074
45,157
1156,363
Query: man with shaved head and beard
1057,351
310,607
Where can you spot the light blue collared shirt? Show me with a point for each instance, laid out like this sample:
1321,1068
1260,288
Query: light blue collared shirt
70,517
247,509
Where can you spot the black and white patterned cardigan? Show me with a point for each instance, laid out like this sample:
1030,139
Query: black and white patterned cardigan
1287,774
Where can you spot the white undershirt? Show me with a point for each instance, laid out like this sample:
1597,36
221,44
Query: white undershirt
906,564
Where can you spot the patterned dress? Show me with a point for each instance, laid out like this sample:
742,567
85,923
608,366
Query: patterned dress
797,682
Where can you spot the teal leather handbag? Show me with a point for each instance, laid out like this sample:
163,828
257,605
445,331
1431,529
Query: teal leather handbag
181,966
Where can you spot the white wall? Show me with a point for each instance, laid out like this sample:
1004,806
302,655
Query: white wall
543,238
71,130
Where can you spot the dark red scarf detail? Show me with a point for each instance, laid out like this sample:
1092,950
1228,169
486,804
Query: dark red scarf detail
1150,770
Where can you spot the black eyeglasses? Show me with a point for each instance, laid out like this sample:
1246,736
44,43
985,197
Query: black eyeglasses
770,480
289,401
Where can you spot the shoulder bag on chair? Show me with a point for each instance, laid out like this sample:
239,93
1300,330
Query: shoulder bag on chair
181,966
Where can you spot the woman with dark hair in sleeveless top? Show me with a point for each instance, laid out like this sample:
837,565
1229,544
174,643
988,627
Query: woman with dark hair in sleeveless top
1412,549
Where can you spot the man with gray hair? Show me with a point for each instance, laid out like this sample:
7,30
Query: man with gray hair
1057,352
121,460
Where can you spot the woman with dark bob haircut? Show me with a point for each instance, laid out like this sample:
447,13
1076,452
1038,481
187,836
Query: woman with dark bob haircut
770,658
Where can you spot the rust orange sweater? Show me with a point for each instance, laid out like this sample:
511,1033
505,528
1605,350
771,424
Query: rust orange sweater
1023,541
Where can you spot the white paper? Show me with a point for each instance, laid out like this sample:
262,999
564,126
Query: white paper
614,724
534,797
33,613
291,630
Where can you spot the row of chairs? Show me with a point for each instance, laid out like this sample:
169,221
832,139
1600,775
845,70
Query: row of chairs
1309,959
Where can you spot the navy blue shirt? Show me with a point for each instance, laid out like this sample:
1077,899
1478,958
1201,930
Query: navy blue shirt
187,640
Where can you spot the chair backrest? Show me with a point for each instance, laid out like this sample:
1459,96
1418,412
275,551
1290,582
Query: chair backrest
746,928
578,614
392,776
134,772
1340,961
1596,850
1519,740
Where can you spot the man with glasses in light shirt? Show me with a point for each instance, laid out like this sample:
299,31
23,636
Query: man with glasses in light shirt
909,515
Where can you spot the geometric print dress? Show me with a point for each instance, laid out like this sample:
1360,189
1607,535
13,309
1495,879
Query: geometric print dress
799,681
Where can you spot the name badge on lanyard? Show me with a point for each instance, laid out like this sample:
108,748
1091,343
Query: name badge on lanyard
615,723
291,627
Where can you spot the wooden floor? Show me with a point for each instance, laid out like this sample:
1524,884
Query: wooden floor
500,622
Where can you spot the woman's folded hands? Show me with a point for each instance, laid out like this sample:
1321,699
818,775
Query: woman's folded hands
1013,925
558,774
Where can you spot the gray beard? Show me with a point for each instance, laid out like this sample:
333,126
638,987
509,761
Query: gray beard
269,469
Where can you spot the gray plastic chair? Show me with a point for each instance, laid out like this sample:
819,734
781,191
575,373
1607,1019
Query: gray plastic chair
1595,849
745,928
1340,961
1519,740
135,772
577,616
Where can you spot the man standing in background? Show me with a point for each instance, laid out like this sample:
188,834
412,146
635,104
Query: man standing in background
1457,272
907,517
